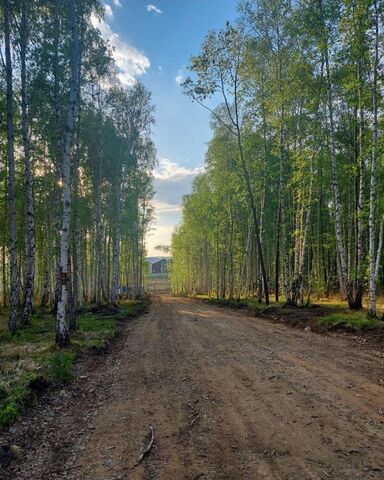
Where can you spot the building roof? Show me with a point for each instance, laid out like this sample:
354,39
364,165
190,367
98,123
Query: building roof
152,260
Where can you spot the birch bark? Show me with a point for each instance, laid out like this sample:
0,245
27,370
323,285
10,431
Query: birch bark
29,241
373,267
62,335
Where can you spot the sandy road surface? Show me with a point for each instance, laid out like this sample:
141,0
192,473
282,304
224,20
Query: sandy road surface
229,397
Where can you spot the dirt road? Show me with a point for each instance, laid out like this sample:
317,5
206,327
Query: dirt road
229,397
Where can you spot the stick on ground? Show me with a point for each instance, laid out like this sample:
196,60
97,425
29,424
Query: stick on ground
148,447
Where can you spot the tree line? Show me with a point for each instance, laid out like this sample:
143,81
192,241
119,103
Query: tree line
291,200
76,164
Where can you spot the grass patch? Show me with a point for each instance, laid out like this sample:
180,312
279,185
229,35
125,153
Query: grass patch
30,355
60,365
352,320
256,306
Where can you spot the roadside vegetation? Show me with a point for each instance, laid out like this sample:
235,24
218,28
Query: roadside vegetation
291,201
327,314
75,171
30,362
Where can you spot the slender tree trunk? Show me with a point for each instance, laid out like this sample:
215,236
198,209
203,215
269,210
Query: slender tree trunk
379,248
59,148
62,335
75,227
283,219
358,300
116,243
373,267
334,180
255,217
14,300
29,262
4,244
46,290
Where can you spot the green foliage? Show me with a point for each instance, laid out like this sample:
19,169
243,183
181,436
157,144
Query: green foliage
276,71
355,321
9,411
60,365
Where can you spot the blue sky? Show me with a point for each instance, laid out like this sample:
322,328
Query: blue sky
153,42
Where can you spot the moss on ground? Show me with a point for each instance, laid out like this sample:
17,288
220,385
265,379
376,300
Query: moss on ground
29,356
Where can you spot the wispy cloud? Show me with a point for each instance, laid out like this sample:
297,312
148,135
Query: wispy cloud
180,77
117,3
152,8
129,61
172,171
164,207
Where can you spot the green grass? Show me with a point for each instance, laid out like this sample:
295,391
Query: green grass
30,354
354,320
256,306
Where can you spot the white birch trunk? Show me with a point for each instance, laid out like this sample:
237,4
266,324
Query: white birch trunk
116,245
29,264
62,336
373,267
379,248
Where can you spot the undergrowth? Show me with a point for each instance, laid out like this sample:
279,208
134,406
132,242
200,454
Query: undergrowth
353,320
29,356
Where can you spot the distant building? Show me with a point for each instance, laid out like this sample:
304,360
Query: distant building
158,265
157,278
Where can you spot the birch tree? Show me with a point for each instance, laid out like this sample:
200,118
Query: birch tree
62,335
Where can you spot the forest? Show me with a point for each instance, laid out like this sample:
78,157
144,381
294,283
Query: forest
253,349
75,167
290,206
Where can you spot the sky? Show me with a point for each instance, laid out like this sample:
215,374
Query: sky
153,42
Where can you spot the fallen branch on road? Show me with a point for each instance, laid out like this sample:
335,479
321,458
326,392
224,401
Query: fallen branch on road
148,447
194,419
198,476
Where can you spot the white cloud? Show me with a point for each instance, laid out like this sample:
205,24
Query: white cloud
172,171
108,11
164,207
153,8
117,3
180,77
171,181
129,61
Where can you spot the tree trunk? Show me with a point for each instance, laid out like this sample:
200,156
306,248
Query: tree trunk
379,248
373,267
14,300
255,218
29,262
75,229
116,243
62,335
334,179
358,300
